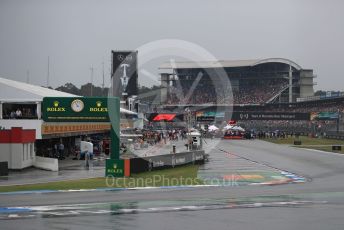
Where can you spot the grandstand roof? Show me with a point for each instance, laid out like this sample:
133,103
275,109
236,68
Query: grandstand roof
223,64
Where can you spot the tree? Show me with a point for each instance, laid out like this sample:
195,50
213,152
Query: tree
149,94
69,88
85,90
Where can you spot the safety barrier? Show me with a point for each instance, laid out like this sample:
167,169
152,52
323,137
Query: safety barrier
335,135
50,164
144,164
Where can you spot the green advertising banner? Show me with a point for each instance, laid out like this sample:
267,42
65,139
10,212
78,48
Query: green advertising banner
114,168
76,109
324,116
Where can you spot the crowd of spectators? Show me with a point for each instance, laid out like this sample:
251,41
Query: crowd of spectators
152,136
258,91
24,113
249,92
202,94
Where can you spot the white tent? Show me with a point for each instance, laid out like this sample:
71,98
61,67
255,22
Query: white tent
227,127
15,91
238,128
212,128
234,128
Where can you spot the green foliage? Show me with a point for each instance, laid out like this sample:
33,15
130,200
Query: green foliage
136,180
308,142
85,90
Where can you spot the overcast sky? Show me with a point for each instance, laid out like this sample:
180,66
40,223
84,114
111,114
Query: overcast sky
79,34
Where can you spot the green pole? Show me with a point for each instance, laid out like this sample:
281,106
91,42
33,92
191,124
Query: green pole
114,112
114,166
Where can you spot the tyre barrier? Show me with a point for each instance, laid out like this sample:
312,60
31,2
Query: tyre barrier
297,143
336,147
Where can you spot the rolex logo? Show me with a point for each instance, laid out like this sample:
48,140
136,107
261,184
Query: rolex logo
56,108
98,107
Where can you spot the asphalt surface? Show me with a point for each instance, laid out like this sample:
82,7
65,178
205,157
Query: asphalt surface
68,170
316,204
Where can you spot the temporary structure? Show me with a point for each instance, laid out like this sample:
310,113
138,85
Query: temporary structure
212,128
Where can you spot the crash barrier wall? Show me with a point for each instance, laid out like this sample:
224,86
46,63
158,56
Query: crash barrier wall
144,164
335,135
50,164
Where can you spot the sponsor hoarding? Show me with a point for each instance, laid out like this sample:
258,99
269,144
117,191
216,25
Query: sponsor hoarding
114,168
124,73
269,116
324,116
56,128
76,109
206,119
165,117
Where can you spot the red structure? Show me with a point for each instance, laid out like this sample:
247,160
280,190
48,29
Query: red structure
17,135
232,122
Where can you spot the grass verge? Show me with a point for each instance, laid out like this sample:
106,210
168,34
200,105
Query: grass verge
310,143
184,175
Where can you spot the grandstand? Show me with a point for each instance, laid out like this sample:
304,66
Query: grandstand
272,80
260,88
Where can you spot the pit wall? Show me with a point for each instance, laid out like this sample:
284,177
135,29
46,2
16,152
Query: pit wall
145,164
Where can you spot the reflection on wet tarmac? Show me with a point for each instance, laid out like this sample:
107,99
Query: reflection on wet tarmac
13,213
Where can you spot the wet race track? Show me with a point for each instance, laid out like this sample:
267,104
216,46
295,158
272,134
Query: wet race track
251,185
